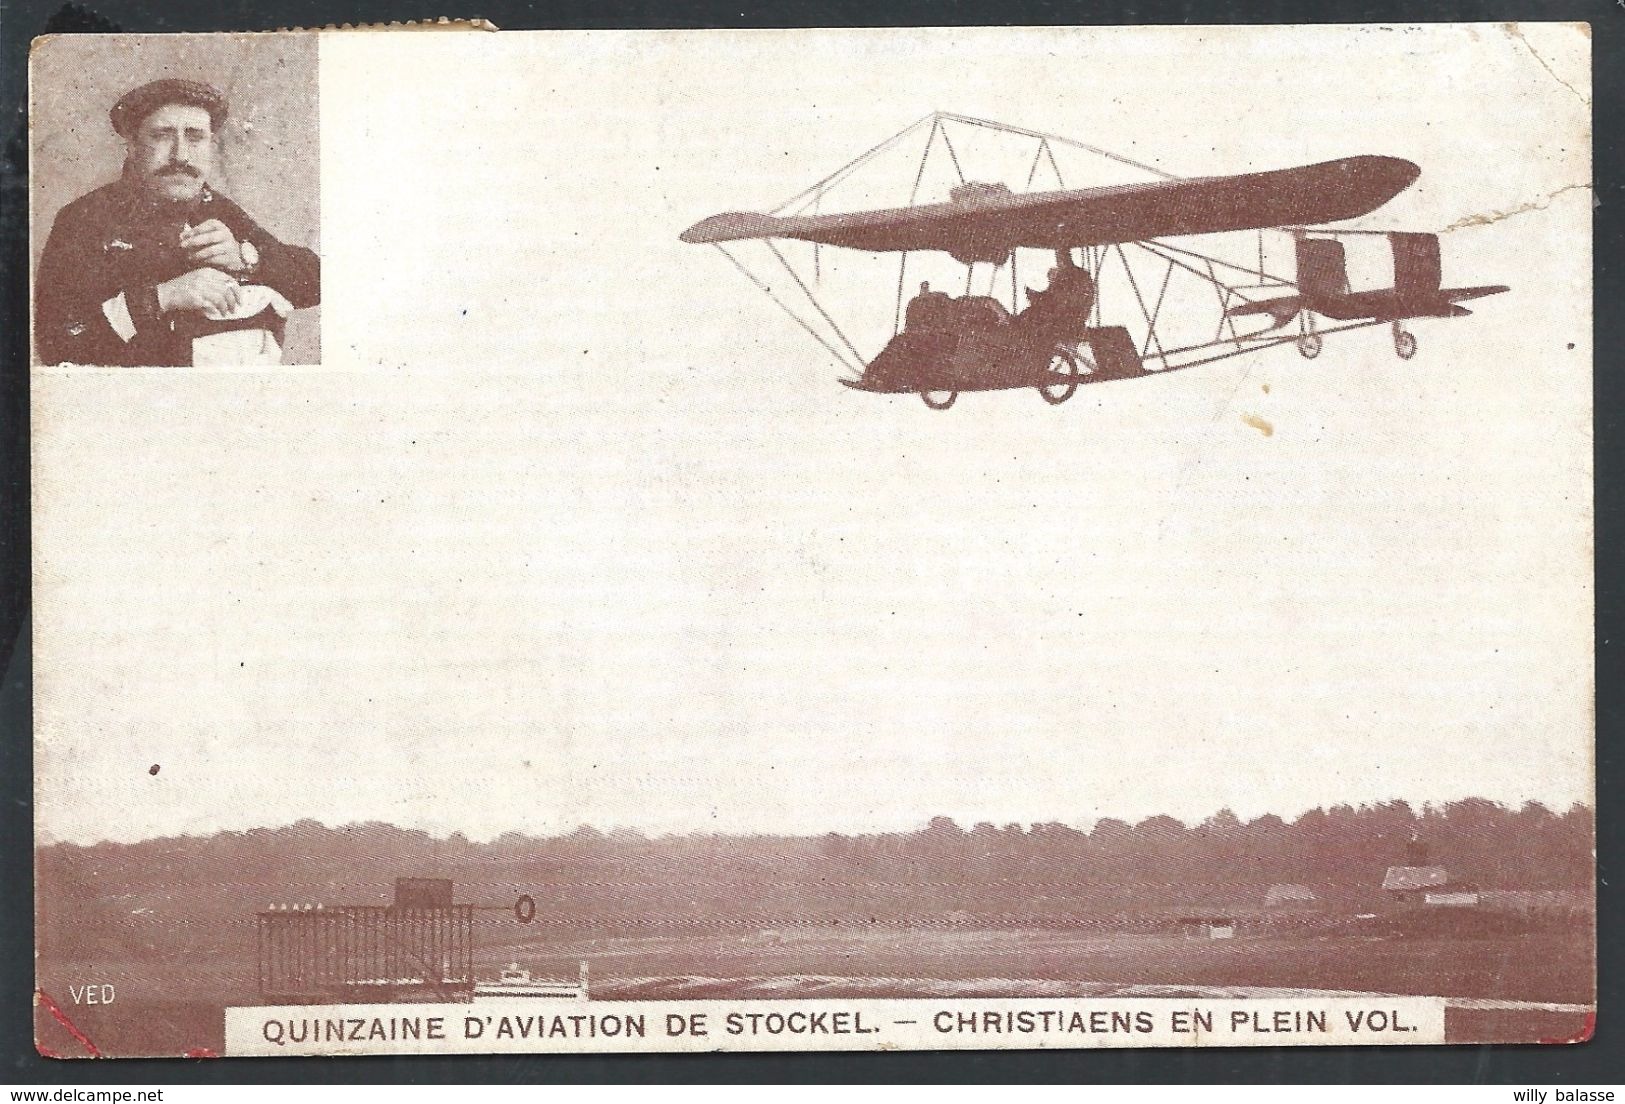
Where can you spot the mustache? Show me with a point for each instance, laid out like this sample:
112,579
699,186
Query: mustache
178,168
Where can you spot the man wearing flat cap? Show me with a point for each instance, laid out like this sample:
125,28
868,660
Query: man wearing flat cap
158,268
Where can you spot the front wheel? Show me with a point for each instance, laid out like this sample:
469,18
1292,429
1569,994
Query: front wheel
1309,345
939,400
1404,344
1061,363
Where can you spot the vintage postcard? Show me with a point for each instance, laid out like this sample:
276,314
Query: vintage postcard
812,539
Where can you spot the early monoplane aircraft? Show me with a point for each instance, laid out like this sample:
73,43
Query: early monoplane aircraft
944,344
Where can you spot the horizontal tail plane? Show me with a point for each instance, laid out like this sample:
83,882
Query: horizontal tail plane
1323,285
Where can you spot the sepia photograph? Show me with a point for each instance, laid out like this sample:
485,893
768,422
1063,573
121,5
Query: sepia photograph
179,177
814,540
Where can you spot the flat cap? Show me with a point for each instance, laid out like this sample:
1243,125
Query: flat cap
136,104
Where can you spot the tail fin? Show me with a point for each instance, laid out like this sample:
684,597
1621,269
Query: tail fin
1323,268
1416,263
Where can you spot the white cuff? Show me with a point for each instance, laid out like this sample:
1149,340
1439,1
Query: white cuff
118,316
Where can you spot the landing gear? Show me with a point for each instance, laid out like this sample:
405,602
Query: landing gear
939,400
1309,342
1064,364
1404,342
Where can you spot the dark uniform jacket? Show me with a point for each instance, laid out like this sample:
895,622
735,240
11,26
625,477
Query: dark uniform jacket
117,240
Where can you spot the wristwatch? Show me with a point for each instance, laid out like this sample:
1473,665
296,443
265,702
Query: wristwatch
250,255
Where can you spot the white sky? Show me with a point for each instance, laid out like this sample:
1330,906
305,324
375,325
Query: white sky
574,527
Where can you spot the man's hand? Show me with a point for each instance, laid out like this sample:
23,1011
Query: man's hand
211,243
202,289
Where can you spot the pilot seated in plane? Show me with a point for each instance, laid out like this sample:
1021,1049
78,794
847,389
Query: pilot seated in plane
1059,313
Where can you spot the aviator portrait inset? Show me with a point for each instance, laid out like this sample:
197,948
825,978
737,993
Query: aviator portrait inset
158,268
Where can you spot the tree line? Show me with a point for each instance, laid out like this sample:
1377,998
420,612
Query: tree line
981,870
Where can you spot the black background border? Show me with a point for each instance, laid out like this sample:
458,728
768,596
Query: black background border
1601,1061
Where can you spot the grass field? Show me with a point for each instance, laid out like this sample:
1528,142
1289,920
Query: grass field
173,1007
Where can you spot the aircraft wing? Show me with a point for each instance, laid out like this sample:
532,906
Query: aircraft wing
984,222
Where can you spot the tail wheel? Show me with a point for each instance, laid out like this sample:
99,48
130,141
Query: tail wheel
1309,345
1061,363
939,400
1404,344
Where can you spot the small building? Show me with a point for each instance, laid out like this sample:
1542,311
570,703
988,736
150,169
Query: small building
1410,882
1428,885
1208,927
1289,895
